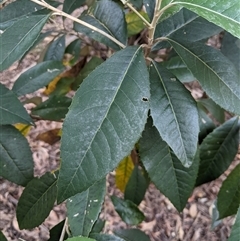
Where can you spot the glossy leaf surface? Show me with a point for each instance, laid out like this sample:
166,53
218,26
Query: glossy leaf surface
109,110
83,209
19,37
37,77
213,155
36,201
16,163
11,109
176,118
216,74
174,180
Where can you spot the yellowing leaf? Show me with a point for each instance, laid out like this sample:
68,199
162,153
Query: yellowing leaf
23,128
123,172
52,85
50,137
134,23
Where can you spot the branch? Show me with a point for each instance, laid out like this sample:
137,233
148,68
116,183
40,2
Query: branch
61,13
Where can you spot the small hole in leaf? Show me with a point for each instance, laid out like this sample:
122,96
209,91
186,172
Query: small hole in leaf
144,99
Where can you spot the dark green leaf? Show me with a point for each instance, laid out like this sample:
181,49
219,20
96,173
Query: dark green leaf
11,109
235,233
229,194
230,47
132,235
178,68
70,5
37,77
2,237
224,14
36,201
109,17
149,6
111,107
55,108
169,11
174,180
74,49
56,49
128,211
105,237
216,74
83,209
136,186
185,26
87,69
177,117
217,151
136,3
16,163
80,239
214,109
56,231
98,226
19,37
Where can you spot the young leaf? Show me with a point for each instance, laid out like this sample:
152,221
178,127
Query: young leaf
70,5
123,172
16,163
111,108
37,77
56,231
109,17
132,234
2,237
216,74
19,37
105,237
235,233
56,49
55,108
177,117
11,109
174,180
217,151
149,6
36,201
83,209
136,186
127,210
222,13
229,194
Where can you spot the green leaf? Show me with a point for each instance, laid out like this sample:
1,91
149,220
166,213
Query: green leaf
222,13
215,216
87,69
80,239
83,209
168,11
229,194
11,109
217,151
19,37
136,3
230,47
56,231
109,17
70,5
55,108
178,68
214,109
37,77
132,234
235,233
127,210
136,186
149,6
105,237
111,106
74,49
16,163
216,74
56,49
36,201
98,226
185,26
2,237
174,180
177,117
